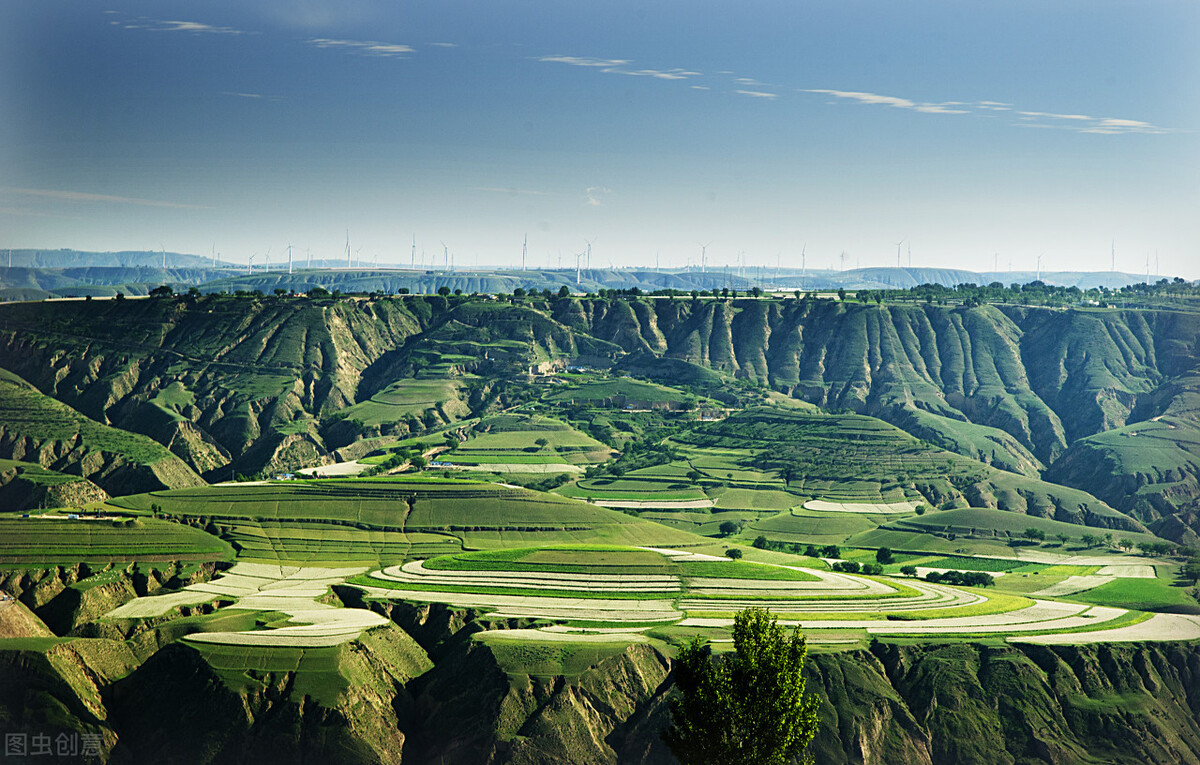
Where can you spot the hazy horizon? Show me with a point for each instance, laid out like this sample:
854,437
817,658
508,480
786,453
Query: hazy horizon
978,136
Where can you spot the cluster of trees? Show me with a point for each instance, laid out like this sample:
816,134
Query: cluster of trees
960,578
398,458
637,454
797,548
1190,571
850,567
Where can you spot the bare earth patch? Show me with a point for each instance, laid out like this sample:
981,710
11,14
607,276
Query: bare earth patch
874,508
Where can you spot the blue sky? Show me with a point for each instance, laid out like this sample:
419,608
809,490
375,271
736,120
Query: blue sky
978,133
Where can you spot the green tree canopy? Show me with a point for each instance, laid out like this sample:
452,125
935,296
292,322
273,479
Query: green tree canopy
745,707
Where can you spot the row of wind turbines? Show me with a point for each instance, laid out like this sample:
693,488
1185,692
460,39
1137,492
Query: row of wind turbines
583,259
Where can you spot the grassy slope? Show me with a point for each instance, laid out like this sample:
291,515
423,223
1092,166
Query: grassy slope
68,437
37,541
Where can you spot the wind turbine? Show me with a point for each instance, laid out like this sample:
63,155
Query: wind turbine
524,251
412,263
589,253
1113,267
704,256
910,254
1039,266
348,253
898,251
578,280
446,255
843,268
289,258
250,264
308,252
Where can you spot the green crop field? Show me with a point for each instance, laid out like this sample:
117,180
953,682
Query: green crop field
392,519
757,499
984,522
584,559
408,398
514,439
36,540
810,526
1141,594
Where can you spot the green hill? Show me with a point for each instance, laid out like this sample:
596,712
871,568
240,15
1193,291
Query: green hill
36,428
260,384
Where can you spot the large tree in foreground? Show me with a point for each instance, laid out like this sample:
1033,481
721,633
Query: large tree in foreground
747,706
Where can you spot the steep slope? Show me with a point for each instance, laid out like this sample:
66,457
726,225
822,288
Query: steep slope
36,428
1010,386
434,686
226,383
25,485
1150,468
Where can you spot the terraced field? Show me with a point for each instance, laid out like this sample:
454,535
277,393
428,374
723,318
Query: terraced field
63,540
511,442
599,590
287,593
388,520
409,399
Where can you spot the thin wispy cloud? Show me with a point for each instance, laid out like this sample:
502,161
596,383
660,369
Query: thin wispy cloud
1052,115
1084,123
595,194
365,47
660,74
585,61
757,94
251,96
1079,123
81,196
875,99
167,25
444,45
620,66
